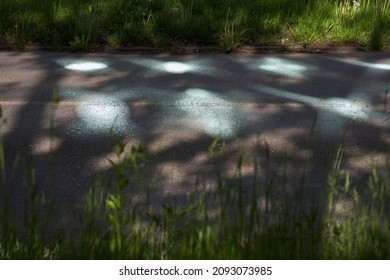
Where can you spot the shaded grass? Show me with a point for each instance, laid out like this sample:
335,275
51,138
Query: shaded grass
228,24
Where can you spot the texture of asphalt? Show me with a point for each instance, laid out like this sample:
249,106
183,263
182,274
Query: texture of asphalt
302,105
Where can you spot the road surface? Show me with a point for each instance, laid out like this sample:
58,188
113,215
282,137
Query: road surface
302,105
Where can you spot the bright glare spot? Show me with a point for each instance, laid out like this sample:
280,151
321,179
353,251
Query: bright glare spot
86,66
211,114
380,66
331,118
176,67
173,67
283,67
346,108
99,114
104,115
342,107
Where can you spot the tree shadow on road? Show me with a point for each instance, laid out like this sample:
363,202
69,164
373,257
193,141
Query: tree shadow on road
275,117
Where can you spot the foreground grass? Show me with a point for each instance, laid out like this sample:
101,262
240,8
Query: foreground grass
228,24
254,223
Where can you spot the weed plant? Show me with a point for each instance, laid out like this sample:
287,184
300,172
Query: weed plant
229,24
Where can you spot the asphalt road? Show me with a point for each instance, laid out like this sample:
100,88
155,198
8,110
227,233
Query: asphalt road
302,105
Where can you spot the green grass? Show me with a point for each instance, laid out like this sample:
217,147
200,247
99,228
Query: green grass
170,24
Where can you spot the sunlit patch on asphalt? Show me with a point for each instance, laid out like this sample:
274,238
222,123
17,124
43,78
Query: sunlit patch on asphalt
101,114
283,67
172,67
333,111
105,115
83,65
176,67
341,106
347,108
379,66
209,113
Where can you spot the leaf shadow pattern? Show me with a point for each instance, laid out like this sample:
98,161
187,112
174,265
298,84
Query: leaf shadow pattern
175,106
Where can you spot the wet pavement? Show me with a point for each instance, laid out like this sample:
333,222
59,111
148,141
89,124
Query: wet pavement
302,105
